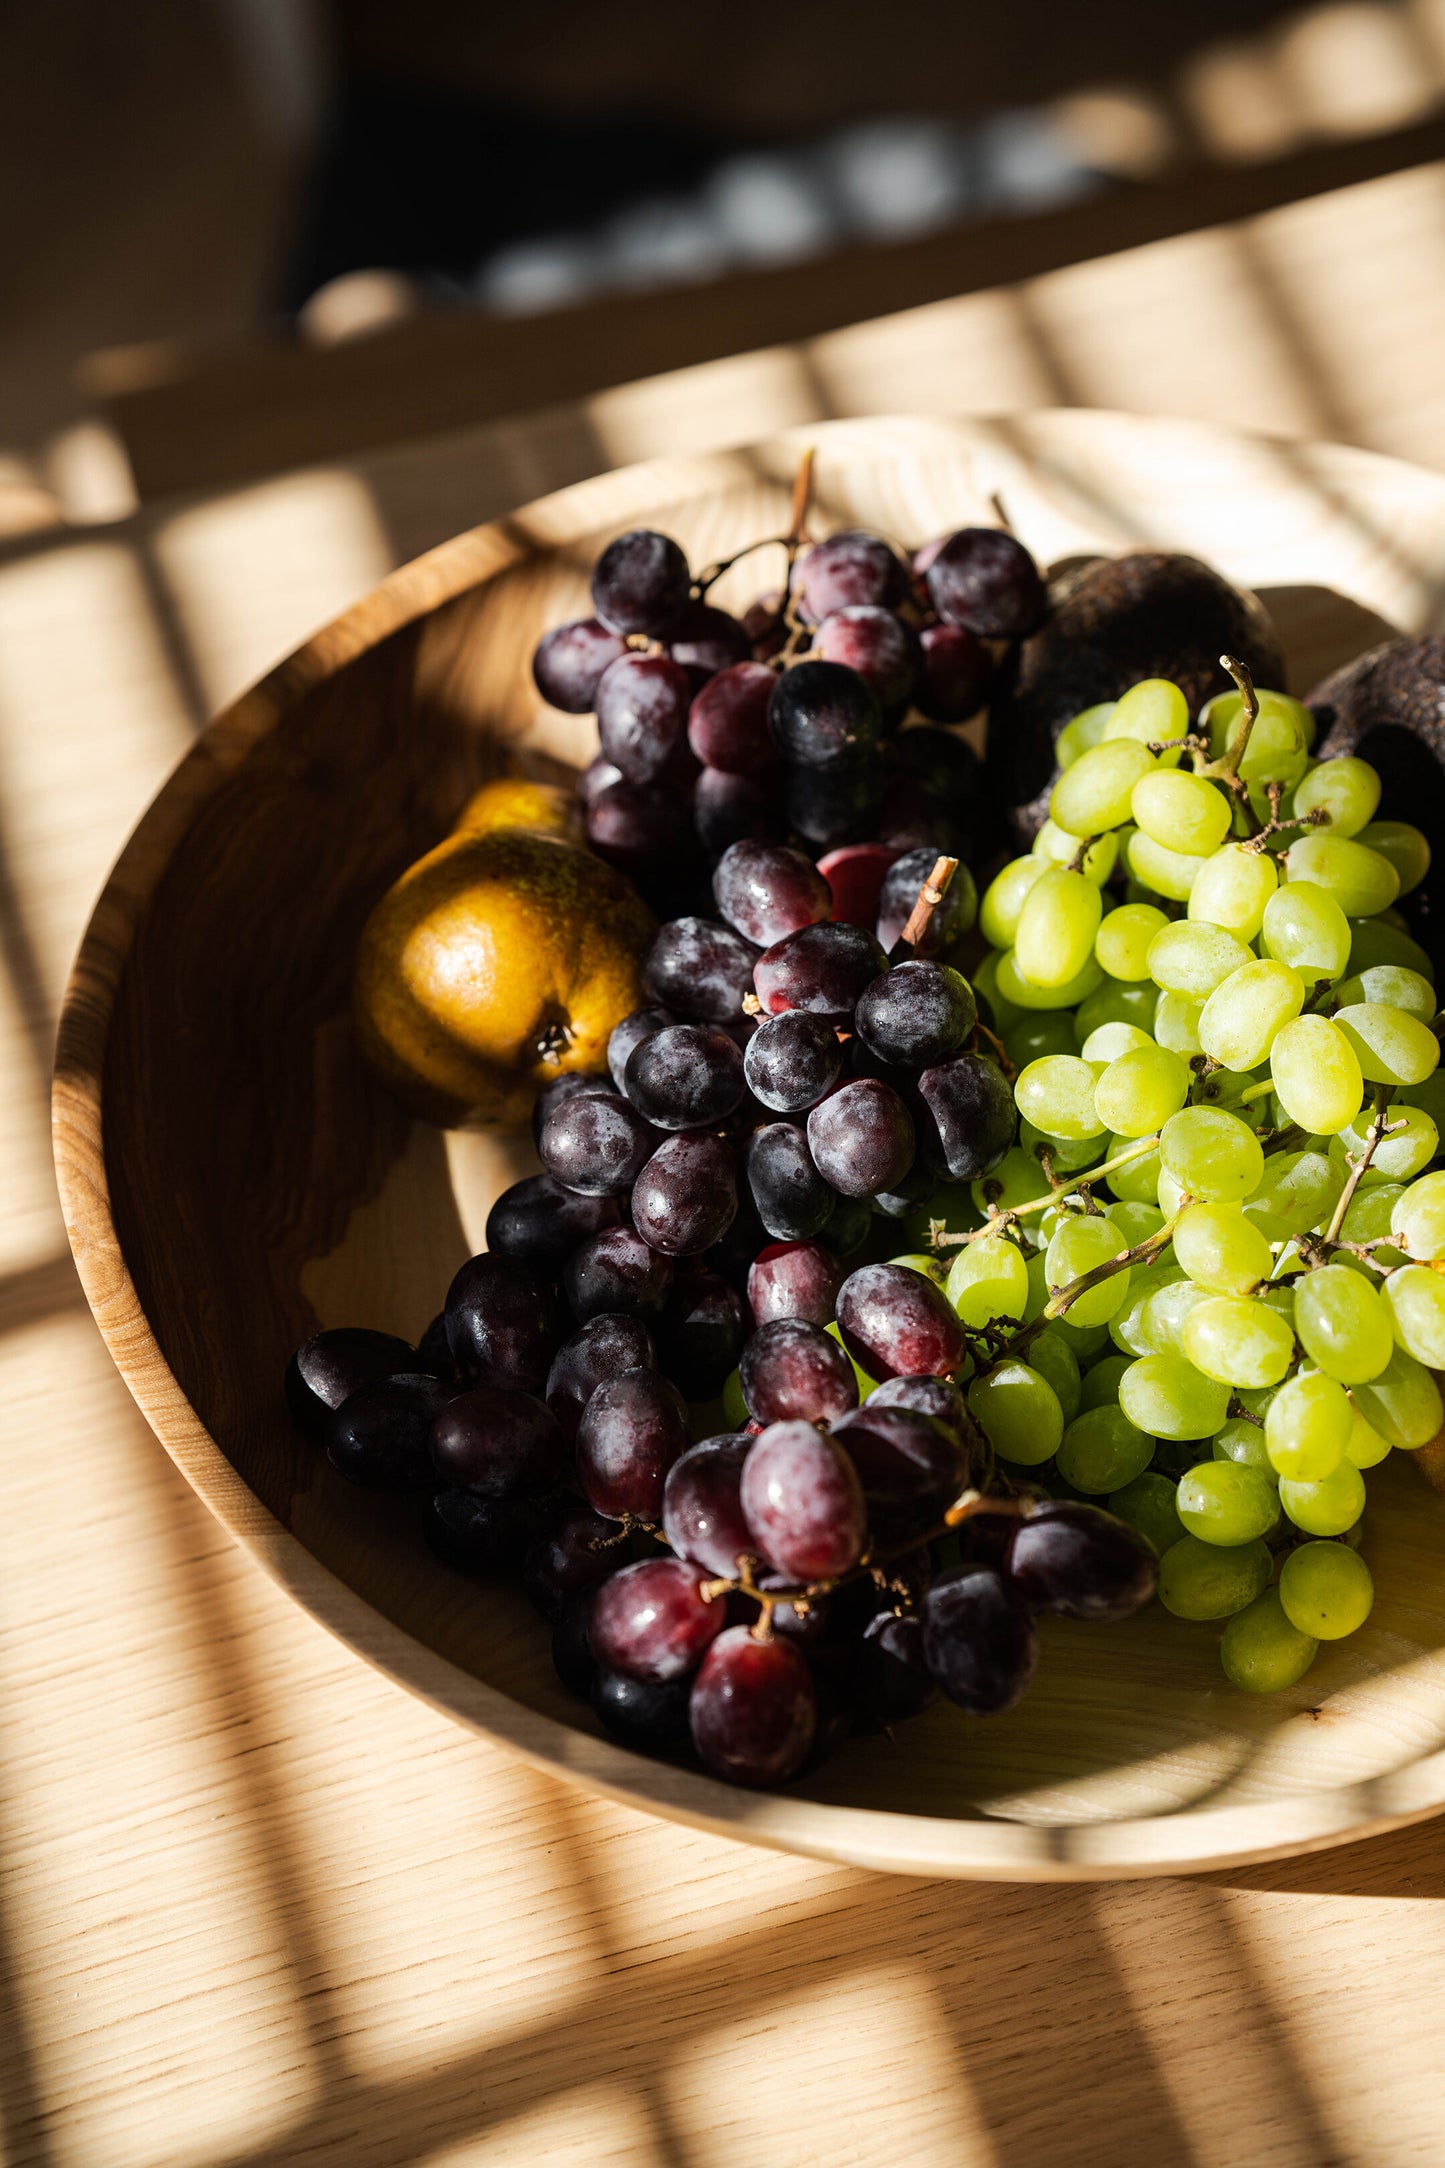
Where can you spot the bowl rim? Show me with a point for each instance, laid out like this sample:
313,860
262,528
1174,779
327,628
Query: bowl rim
977,1847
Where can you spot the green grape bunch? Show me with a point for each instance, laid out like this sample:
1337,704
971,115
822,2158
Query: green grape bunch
1206,1287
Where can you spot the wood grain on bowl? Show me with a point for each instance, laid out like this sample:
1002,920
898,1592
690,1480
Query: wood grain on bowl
233,1177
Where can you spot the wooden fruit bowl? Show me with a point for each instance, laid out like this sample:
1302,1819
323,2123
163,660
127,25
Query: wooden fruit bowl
232,1178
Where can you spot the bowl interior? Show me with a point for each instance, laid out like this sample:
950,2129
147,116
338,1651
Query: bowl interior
261,1185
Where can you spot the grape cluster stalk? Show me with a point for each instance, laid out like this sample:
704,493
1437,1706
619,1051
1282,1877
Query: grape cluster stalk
921,1264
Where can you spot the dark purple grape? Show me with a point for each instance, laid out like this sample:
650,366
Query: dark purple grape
822,715
915,1190
735,809
687,1076
536,1222
820,969
705,640
794,1279
766,891
701,1332
597,776
951,919
641,583
979,1640
328,1368
983,1539
702,1514
861,1139
846,570
879,646
987,582
603,1348
803,1503
579,1553
792,1060
500,1325
700,969
616,1271
753,1709
727,724
642,706
894,1681
971,1115
651,1620
792,1370
955,675
1083,1562
378,1437
934,1396
633,1429
916,1014
569,661
833,806
572,1084
648,1714
849,1225
902,1456
638,827
790,1195
498,1444
685,1197
631,1032
432,1353
897,1324
481,1535
572,1658
596,1144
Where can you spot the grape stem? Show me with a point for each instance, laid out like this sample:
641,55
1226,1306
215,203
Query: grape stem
1076,863
1358,1163
930,896
1226,771
998,1222
1317,817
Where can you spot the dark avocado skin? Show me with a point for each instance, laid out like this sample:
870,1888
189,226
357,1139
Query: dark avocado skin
1389,707
1113,621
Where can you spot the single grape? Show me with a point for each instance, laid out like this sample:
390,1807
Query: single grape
706,640
1082,733
1346,788
1102,1450
1098,859
1018,1411
615,1270
1024,994
642,706
685,1198
979,1640
1237,1341
1081,1243
1417,1219
1153,710
640,1024
903,1456
496,1444
378,1436
640,583
686,1076
1416,1299
951,919
895,1323
954,676
1220,1249
1403,846
1233,888
862,1141
602,1348
791,1369
1148,1505
892,1680
1139,1091
651,1620
1328,1506
1211,1154
846,570
536,1223
1123,939
647,1714
570,660
1081,1562
1004,899
1383,941
766,891
1402,1405
1326,1590
727,723
1390,1046
1184,812
792,1060
501,1328
1200,1580
802,1502
753,1710
1316,1075
793,1279
821,970
702,1514
596,1144
330,1366
1226,1503
1394,986
986,581
1168,1398
700,1333
878,645
1166,1314
1343,1324
1247,1011
822,715
700,970
971,1110
1263,1651
633,1428
916,1014
1366,1448
1190,958
1097,791
1359,879
988,1279
930,1395
1297,1190
790,1196
1054,938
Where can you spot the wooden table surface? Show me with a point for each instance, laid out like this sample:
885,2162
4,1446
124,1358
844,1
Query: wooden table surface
257,1906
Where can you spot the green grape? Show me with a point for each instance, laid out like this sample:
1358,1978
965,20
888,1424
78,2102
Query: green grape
1262,1652
1347,788
1183,812
926,1262
1167,1397
1025,995
1367,1219
1316,1075
1297,1191
1233,889
1055,934
1017,1179
1085,731
1137,1093
1018,1412
1135,1222
1220,1249
1176,1024
1303,926
1418,1219
1213,1156
987,1279
1057,1096
1392,984
1237,1342
1085,1340
1083,1242
1190,958
1225,1503
1243,1442
1246,1012
1416,1297
1112,1002
1153,711
1343,1325
1278,744
866,1385
1061,850
1095,793
1137,1181
1359,879
1122,942
1148,1505
1099,1386
1203,1581
1326,1590
1054,1359
1406,848
1067,1154
1402,1405
1328,1507
734,1407
984,980
1037,1032
1408,1148
1390,1047
1109,1041
1165,1315
1376,941
1307,1427
1102,1451
1004,899
1160,870
1126,1326
1366,1448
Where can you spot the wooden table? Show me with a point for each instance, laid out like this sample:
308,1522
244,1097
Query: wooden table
256,1906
